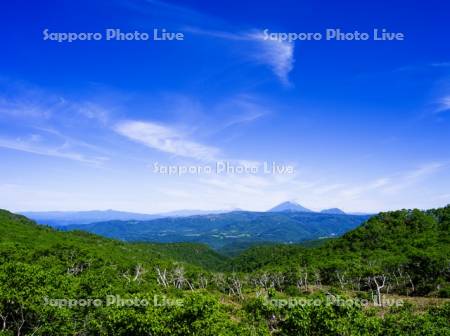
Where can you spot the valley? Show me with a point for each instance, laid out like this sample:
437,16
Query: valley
388,276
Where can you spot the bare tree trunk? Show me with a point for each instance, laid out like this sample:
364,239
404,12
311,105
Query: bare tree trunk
203,281
306,280
317,279
22,322
139,271
379,283
191,287
341,279
162,277
358,284
3,317
411,282
236,286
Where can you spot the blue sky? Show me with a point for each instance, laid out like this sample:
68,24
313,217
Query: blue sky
365,124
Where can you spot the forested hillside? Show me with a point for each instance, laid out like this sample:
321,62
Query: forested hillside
234,228
411,249
388,277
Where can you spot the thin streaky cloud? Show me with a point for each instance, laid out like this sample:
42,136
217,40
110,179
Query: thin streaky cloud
165,139
70,140
328,188
57,151
443,104
357,191
241,110
412,177
394,183
278,55
441,64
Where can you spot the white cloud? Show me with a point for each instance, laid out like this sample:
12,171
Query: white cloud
62,151
93,111
440,64
277,54
43,124
412,177
325,189
246,191
391,184
165,139
357,191
24,108
443,104
241,110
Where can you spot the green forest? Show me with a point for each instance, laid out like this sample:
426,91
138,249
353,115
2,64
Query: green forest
389,276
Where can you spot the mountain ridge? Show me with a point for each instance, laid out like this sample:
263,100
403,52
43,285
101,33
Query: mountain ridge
219,230
61,218
333,211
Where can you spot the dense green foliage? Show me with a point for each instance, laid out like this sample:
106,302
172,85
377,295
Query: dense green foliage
412,248
190,290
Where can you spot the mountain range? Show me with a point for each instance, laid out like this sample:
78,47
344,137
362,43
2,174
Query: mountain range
288,222
220,230
61,218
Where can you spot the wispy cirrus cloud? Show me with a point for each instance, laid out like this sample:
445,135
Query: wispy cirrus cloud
410,178
277,55
49,124
235,112
64,151
55,126
440,64
357,191
34,105
28,104
443,104
393,183
165,139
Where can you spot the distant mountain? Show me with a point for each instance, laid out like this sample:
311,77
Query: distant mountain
219,230
289,206
333,211
186,213
362,213
61,218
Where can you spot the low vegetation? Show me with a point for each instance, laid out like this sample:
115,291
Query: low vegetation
390,276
